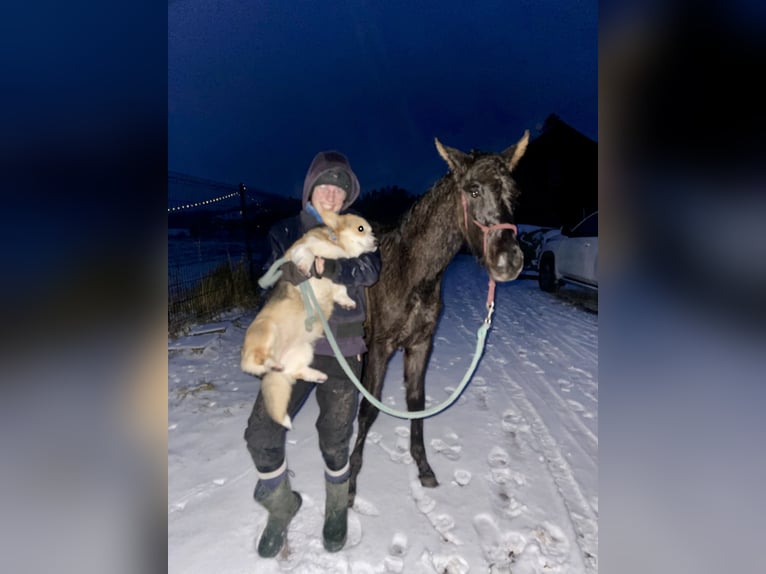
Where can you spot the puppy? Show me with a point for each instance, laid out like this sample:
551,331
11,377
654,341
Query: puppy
277,345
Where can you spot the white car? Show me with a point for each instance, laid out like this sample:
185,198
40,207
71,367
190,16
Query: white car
570,256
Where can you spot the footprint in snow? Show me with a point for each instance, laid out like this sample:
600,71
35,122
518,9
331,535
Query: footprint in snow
543,549
443,523
498,458
399,454
399,544
482,397
445,564
500,549
425,504
554,545
513,423
365,507
403,439
449,451
505,501
462,477
504,483
354,530
393,564
478,381
374,437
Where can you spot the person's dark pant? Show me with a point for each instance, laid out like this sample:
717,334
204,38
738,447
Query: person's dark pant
338,400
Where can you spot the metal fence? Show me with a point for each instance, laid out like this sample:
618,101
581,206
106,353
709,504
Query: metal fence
212,250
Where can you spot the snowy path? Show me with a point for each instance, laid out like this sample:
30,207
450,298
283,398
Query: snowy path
516,456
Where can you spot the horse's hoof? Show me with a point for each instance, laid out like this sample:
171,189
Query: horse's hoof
429,480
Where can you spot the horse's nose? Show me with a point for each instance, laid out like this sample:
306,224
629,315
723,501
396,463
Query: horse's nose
508,265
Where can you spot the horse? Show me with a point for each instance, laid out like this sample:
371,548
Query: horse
471,204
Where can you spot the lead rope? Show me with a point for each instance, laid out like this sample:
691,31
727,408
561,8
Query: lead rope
313,311
310,301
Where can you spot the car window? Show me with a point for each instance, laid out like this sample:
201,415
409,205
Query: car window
587,228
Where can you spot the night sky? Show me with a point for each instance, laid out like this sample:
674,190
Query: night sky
255,89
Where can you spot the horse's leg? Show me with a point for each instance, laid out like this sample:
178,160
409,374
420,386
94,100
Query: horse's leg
415,362
374,373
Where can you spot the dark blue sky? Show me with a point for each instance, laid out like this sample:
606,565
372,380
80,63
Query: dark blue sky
256,88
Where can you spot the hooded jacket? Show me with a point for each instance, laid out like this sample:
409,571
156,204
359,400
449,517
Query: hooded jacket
327,161
347,325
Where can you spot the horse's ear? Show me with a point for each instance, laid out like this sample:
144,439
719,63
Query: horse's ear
456,159
513,154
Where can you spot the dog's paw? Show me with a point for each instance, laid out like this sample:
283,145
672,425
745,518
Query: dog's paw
350,304
311,375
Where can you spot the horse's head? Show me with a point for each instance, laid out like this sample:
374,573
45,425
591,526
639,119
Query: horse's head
487,192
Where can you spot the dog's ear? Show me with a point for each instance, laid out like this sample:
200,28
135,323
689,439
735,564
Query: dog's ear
330,218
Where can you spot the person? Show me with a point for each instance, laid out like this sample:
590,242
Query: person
330,185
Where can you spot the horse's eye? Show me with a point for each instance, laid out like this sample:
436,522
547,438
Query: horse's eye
360,229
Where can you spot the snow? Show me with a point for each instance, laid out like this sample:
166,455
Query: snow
516,455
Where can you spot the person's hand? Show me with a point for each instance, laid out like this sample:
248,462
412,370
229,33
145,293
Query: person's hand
325,268
292,274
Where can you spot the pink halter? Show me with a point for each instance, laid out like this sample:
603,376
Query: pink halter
486,229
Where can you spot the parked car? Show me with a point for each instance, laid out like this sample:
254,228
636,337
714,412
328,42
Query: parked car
570,256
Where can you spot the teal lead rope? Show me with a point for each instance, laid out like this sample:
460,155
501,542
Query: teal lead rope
481,335
273,274
313,311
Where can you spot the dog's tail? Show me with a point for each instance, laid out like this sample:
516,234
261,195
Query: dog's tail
276,388
258,349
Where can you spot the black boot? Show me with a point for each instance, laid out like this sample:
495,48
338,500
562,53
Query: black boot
335,515
282,504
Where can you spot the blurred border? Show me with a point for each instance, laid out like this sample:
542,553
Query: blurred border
681,363
83,417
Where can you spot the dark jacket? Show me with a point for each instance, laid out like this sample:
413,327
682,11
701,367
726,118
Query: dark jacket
356,274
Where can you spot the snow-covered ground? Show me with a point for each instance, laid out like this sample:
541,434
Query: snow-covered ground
516,455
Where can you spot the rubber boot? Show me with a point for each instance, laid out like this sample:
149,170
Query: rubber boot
282,504
335,515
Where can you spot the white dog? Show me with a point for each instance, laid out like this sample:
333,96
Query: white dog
277,345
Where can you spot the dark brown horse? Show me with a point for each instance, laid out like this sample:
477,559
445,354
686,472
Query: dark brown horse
472,203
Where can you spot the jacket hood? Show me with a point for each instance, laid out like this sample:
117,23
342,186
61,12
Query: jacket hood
325,161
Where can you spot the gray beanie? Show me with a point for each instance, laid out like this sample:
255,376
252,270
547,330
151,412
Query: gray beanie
334,176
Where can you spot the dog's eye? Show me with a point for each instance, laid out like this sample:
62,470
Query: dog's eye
360,229
475,193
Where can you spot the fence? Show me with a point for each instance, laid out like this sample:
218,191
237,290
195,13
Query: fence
215,247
